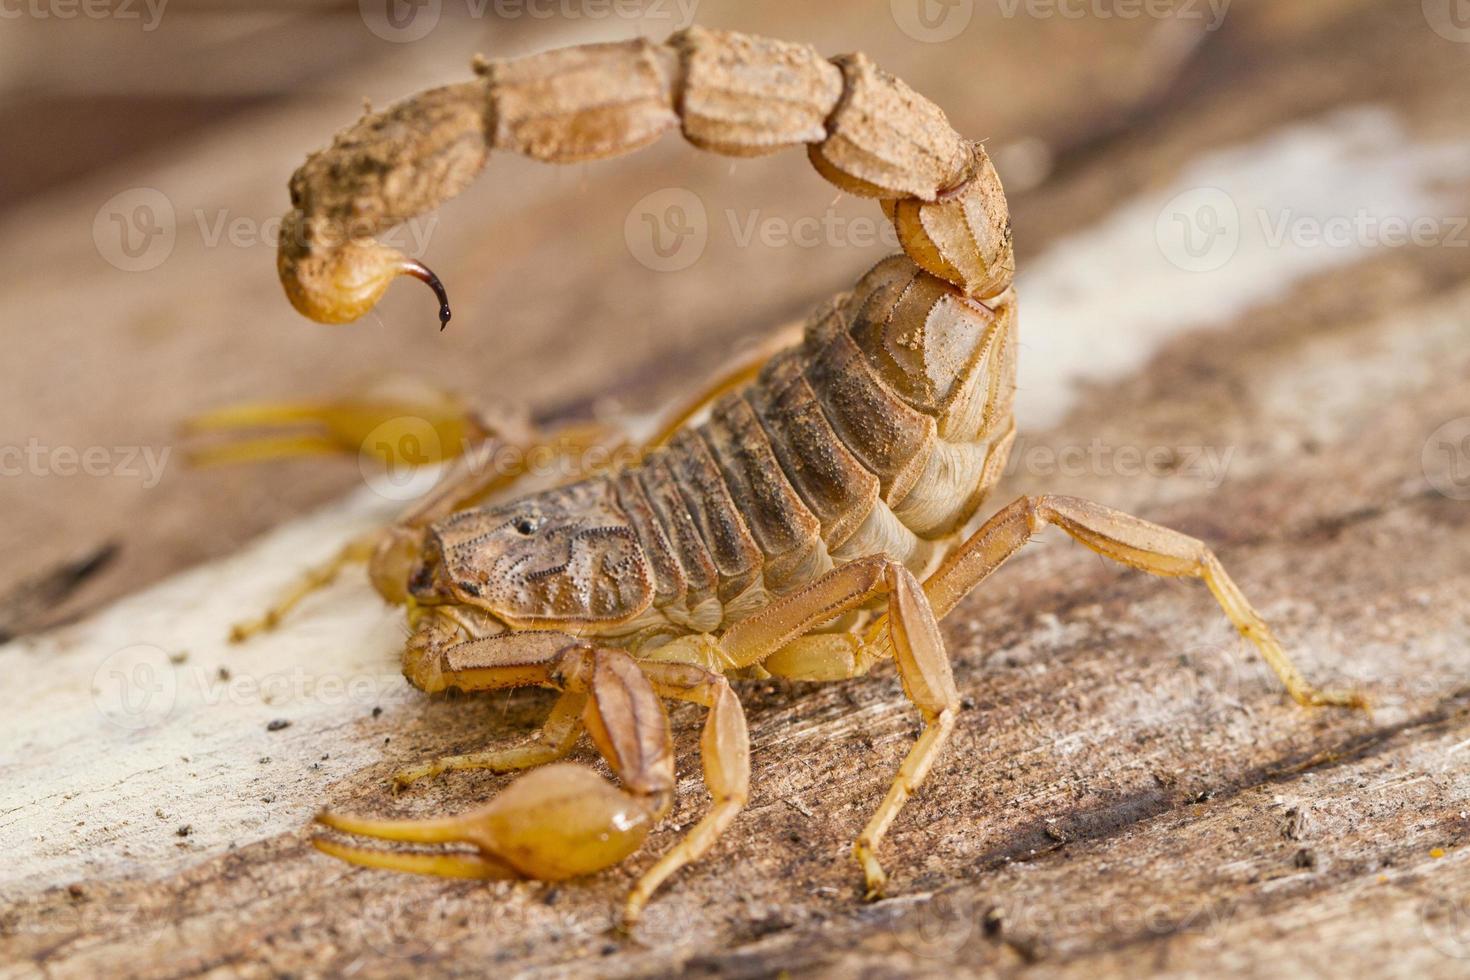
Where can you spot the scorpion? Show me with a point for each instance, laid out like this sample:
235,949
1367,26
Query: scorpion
809,515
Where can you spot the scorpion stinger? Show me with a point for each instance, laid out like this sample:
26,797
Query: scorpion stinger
421,272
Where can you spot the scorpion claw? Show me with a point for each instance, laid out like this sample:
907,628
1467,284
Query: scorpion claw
556,822
399,421
444,865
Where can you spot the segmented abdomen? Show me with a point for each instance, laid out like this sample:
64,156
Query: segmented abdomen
880,433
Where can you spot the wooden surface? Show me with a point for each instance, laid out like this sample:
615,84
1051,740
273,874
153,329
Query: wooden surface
1127,789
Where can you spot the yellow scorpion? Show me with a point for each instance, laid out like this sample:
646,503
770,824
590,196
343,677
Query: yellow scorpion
806,517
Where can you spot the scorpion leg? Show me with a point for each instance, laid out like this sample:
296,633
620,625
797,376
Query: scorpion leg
1132,542
744,370
490,465
910,628
555,822
314,579
556,737
725,751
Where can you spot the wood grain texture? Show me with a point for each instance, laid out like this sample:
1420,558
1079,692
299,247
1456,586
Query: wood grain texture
1127,790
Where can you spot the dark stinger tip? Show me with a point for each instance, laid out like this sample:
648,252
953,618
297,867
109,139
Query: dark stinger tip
421,272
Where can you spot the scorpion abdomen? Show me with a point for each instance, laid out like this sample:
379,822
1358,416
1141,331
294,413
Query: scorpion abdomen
881,432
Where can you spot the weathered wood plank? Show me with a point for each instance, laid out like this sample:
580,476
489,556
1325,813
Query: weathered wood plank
1127,789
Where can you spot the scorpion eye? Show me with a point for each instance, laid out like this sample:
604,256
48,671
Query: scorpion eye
525,526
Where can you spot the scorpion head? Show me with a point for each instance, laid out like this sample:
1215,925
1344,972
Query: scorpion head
566,559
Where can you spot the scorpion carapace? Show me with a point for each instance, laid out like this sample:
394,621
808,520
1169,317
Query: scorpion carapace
806,516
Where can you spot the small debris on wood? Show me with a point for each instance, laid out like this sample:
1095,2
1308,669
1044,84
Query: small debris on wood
277,724
798,806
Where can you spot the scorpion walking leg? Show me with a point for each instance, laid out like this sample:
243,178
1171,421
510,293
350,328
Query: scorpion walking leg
556,737
555,822
745,368
357,550
475,475
912,630
1132,542
725,750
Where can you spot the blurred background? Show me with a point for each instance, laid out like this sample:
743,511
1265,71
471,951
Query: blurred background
148,144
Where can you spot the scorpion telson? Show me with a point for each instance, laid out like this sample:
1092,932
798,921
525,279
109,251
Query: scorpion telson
423,273
810,513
